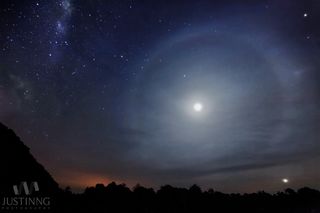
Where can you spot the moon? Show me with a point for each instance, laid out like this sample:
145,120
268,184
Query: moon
197,107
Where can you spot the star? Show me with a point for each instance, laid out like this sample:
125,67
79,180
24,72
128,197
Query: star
60,27
187,100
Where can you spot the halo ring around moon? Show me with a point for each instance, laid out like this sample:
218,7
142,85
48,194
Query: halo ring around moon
178,72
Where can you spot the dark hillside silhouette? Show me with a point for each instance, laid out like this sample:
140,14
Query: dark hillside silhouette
17,164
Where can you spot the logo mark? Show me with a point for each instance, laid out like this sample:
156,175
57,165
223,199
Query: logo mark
24,186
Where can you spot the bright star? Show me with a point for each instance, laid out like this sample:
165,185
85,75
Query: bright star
285,180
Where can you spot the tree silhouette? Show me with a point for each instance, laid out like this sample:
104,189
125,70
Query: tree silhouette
17,164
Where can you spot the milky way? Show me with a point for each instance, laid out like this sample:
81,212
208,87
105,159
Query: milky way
104,91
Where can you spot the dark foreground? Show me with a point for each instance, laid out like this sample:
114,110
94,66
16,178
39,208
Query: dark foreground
37,191
119,198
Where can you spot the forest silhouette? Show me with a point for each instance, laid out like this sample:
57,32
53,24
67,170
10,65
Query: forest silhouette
18,165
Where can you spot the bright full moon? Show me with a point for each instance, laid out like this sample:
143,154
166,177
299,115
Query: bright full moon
197,107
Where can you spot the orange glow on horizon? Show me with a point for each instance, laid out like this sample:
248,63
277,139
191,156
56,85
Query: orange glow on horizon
80,180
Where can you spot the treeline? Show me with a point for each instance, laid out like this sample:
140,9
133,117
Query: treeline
119,198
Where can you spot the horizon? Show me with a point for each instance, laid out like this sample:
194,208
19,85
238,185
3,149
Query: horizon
222,94
80,189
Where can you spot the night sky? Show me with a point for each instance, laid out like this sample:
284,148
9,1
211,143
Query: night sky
223,94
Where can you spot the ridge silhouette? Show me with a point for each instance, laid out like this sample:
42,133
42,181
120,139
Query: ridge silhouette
17,164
